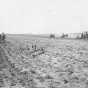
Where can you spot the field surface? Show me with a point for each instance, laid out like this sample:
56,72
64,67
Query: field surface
37,62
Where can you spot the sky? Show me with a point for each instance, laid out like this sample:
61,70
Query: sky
43,16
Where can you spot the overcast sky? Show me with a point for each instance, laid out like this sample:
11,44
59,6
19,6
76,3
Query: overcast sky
43,16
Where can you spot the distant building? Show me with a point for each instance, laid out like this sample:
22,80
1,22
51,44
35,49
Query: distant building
74,35
84,35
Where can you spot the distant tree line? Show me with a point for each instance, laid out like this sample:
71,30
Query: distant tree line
64,35
52,36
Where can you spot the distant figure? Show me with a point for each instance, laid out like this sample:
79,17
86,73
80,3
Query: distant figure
82,35
34,47
2,37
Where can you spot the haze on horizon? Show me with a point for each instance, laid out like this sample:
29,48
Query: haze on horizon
43,16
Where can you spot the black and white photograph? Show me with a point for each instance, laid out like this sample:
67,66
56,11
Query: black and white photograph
43,43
